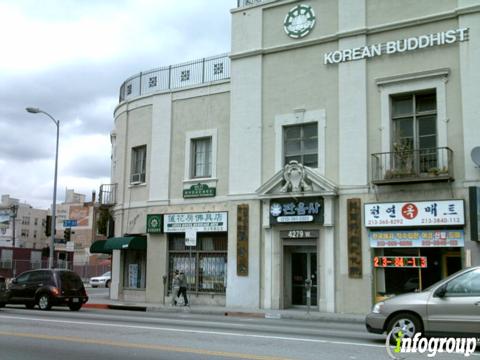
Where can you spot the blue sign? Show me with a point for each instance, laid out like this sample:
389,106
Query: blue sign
69,223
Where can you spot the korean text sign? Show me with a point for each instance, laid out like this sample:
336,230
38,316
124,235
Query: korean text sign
415,213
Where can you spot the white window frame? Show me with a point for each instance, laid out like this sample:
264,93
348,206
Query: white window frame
299,117
132,165
189,137
412,83
193,160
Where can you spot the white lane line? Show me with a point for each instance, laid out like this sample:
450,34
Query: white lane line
206,332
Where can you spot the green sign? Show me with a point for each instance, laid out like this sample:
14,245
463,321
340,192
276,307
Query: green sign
154,223
199,190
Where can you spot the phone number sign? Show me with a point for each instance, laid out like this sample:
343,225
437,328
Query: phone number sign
415,213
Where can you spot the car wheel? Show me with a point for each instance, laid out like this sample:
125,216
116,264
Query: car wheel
75,307
29,305
44,302
107,284
2,304
408,324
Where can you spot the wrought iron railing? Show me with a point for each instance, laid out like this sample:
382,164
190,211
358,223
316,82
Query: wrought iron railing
172,77
108,194
242,3
434,164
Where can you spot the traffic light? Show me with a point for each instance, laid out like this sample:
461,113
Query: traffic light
48,226
66,234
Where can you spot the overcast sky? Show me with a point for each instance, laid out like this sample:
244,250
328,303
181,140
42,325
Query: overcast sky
69,58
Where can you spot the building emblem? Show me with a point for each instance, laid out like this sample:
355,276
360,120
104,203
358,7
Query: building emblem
299,21
295,178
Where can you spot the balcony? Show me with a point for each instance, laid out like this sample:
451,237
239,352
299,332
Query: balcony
108,194
412,166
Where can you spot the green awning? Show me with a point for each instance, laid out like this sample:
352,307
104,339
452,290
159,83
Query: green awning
126,243
98,247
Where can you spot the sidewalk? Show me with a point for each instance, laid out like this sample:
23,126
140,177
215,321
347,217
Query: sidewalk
296,314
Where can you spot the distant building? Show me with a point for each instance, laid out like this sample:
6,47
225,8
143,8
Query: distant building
78,217
21,224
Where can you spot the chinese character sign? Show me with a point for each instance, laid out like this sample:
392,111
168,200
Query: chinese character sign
201,222
415,213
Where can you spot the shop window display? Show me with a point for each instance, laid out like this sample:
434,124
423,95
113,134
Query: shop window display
210,255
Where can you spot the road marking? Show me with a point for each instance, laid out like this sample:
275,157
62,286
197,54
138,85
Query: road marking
142,346
191,331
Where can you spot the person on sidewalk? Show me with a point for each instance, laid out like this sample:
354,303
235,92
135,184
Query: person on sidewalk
183,288
175,287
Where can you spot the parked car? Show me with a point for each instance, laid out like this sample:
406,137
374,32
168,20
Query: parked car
451,306
46,288
102,281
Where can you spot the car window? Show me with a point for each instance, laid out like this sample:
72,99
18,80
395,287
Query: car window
70,280
107,274
35,276
467,284
23,278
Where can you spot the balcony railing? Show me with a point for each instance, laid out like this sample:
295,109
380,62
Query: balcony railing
172,77
108,194
425,165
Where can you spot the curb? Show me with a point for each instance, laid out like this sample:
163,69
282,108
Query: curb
340,318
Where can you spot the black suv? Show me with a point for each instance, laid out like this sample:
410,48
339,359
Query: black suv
46,288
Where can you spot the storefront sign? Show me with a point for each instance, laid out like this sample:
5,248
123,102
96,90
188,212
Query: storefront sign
201,222
415,213
413,238
199,190
242,240
354,236
301,210
396,46
154,223
400,261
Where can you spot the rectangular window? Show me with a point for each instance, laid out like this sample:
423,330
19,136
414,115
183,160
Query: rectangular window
139,160
201,157
134,269
210,276
300,143
414,119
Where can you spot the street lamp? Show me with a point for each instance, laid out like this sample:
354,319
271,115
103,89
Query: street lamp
54,206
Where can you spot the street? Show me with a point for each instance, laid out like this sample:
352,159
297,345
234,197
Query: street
112,334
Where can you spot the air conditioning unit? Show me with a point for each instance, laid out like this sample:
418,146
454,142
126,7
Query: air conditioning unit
138,178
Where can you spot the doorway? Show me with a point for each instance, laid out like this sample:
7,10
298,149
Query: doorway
304,266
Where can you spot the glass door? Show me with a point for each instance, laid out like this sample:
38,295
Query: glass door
304,266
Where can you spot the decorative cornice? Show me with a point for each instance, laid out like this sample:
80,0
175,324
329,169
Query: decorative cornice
427,74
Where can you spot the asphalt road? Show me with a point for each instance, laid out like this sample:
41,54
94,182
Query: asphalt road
117,335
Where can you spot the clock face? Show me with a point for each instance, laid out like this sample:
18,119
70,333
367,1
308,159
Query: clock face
299,21
275,209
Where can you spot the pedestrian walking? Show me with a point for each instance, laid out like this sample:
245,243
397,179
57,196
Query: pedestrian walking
175,287
183,288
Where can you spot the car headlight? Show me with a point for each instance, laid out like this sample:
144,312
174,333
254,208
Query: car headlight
377,308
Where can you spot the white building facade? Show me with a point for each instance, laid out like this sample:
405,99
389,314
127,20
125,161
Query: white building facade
332,147
21,225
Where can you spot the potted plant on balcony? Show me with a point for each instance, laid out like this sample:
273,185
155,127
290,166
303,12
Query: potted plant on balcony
402,160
